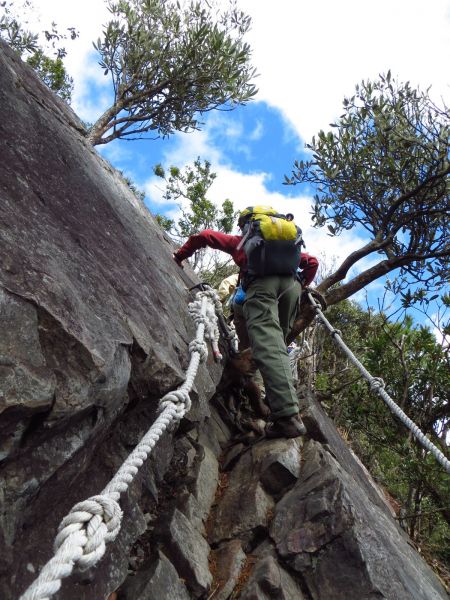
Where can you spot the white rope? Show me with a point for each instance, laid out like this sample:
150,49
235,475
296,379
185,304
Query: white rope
294,356
296,353
377,385
84,532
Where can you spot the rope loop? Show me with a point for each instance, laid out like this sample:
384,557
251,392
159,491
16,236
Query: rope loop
197,316
195,310
200,347
336,332
377,383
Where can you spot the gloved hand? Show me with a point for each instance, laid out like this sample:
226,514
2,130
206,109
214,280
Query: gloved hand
317,296
177,260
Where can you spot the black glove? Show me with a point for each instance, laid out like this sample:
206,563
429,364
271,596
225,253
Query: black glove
317,296
178,260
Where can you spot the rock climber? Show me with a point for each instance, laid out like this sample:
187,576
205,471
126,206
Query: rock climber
270,309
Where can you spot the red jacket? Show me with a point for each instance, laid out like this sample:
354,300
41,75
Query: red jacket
229,243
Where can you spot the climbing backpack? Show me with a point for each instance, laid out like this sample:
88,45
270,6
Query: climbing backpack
271,241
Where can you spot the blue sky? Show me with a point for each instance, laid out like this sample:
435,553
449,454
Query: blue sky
309,55
251,139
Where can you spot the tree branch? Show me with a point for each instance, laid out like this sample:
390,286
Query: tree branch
356,284
395,205
353,258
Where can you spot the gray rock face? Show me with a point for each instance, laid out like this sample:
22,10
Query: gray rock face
268,580
158,581
278,464
206,482
245,507
94,330
228,561
323,528
189,550
94,321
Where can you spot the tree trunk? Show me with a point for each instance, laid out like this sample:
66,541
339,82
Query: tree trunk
102,125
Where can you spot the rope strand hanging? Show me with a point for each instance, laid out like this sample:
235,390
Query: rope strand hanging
377,385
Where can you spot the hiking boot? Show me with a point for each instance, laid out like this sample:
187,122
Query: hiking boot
288,427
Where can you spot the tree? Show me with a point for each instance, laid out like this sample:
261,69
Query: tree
190,187
53,73
51,68
170,62
384,168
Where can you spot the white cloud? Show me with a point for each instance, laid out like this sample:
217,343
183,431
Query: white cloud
257,132
191,145
87,16
233,130
311,54
116,153
154,189
441,339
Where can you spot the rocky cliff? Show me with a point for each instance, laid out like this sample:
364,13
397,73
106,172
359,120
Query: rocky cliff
94,330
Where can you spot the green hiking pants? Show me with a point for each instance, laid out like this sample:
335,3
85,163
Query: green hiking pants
270,310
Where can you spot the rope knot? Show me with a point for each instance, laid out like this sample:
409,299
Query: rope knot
336,332
195,310
376,383
199,319
200,347
99,518
180,399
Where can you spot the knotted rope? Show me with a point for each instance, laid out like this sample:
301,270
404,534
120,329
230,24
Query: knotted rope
226,332
377,385
84,532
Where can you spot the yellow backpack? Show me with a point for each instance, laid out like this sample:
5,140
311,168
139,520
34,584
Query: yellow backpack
272,241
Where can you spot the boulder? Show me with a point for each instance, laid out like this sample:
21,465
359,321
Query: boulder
268,580
227,563
344,545
244,508
159,580
188,551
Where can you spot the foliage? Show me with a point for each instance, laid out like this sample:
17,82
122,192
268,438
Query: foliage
415,368
435,308
164,222
12,31
384,168
189,187
26,43
169,62
52,72
217,274
140,194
